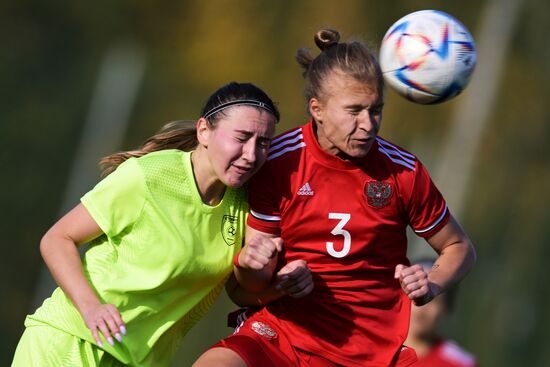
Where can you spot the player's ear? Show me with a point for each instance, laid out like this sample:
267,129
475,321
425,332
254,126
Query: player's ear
203,131
316,109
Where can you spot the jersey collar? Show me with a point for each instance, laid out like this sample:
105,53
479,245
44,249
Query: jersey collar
331,160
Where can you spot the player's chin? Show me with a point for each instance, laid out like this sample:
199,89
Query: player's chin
359,152
237,180
235,184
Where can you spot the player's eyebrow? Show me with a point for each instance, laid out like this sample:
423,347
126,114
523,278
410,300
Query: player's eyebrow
248,133
376,105
359,106
356,106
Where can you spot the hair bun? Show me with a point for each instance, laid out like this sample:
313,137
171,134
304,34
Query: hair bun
326,38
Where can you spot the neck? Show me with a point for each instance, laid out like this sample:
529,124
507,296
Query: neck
322,139
326,144
210,188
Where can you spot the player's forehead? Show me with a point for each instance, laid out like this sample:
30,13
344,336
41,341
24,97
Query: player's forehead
247,119
346,89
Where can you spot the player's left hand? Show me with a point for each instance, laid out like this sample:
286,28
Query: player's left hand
414,282
295,279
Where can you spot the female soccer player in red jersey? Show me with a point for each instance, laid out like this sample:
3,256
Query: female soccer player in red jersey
340,198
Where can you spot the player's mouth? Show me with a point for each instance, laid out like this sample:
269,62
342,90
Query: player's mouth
243,169
363,141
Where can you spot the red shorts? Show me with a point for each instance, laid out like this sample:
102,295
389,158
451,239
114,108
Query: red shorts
260,343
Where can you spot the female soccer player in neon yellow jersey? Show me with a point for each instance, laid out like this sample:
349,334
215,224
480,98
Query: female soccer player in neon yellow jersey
163,226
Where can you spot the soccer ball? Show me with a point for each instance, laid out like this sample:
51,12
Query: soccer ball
428,56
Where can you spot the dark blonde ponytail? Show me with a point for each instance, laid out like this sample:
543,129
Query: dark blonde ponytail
180,135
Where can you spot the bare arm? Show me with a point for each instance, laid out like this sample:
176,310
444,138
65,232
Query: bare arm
294,279
244,298
456,258
257,260
59,250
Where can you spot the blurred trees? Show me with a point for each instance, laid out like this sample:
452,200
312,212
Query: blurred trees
48,67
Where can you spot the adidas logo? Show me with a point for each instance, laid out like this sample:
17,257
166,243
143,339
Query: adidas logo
305,190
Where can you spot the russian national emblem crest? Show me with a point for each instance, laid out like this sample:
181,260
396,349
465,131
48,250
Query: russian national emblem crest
378,193
229,229
263,330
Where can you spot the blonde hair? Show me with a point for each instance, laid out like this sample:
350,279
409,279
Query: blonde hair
354,58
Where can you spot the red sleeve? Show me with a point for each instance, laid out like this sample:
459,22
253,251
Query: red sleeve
428,212
264,202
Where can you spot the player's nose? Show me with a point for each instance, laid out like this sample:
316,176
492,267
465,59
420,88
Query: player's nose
250,151
365,120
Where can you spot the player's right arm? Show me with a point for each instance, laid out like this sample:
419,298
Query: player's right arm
294,279
59,250
257,259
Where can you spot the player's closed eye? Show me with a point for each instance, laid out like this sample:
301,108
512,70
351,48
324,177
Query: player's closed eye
264,143
242,138
355,111
376,110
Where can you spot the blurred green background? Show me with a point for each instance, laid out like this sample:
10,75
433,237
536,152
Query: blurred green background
180,51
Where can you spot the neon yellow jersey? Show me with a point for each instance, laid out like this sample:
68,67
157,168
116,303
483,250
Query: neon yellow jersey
163,260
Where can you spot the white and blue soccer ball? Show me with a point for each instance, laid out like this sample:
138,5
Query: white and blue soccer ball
428,56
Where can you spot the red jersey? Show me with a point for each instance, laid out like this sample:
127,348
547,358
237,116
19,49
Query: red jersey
446,353
348,220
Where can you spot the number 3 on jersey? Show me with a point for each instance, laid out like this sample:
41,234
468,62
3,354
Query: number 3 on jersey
339,230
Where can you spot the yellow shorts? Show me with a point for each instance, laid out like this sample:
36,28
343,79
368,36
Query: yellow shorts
46,346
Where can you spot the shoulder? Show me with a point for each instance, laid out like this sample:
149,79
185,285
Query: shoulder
162,161
161,156
168,169
148,166
284,155
454,353
395,156
282,145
